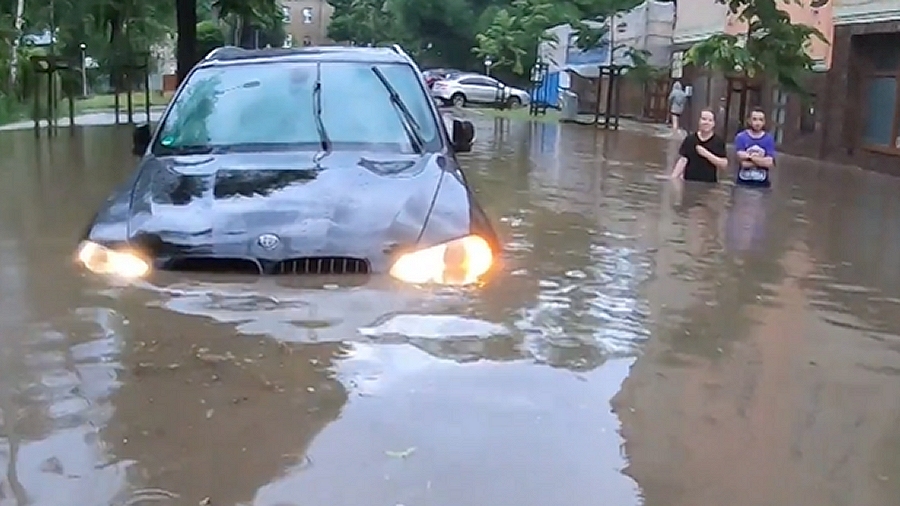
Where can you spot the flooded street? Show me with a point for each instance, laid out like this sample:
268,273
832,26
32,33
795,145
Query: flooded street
644,344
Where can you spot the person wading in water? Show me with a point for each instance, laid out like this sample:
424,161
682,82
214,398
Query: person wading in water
702,154
756,151
677,101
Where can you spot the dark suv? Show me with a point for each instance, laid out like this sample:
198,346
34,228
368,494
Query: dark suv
302,161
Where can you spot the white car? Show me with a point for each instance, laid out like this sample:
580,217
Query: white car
463,89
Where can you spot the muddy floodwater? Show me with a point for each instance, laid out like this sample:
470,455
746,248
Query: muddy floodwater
644,344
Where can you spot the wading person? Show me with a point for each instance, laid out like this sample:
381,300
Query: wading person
755,151
677,101
702,154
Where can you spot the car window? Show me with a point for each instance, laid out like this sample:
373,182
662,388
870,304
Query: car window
481,81
272,105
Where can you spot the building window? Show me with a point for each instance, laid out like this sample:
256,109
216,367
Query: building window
878,57
779,104
288,41
286,14
808,115
307,15
307,41
880,106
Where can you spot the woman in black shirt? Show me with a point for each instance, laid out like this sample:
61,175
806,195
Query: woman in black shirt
702,153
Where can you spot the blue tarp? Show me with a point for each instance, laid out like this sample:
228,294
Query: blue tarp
548,92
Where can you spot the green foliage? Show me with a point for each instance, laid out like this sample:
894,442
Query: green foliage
772,45
512,38
362,22
209,37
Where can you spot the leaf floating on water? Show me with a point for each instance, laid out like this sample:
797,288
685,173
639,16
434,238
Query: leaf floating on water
401,455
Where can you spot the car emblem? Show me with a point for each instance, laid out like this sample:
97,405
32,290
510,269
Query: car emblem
268,241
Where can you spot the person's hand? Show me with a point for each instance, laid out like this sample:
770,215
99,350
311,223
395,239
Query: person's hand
702,151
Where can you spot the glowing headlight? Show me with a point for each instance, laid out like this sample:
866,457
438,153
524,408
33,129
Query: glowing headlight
102,260
459,262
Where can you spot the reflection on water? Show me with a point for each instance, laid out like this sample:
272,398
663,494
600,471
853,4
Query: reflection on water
728,328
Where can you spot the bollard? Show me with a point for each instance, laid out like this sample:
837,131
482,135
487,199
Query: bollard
71,113
129,99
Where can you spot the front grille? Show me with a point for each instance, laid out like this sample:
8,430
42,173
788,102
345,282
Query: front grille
217,265
322,265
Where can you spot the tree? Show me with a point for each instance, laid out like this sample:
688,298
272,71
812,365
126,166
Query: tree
512,39
209,37
251,19
362,22
513,36
771,46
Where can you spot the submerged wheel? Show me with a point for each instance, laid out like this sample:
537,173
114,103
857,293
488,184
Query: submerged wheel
514,102
458,100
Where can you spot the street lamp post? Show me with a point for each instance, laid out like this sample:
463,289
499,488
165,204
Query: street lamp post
84,88
487,65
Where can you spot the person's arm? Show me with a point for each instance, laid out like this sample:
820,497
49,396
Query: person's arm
681,163
718,156
740,144
767,161
678,170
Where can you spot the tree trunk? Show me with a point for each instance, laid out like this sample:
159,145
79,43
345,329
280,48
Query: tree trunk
185,54
14,57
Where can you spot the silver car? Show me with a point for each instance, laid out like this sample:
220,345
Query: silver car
463,89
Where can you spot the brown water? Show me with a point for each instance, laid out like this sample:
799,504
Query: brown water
646,345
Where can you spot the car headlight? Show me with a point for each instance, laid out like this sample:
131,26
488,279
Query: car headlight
460,262
102,260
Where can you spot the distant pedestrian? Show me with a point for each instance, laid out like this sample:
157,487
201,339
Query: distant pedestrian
755,151
702,154
677,101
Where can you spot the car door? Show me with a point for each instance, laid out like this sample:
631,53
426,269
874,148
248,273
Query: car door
483,89
472,89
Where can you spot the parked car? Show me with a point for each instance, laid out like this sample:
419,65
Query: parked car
433,75
298,161
463,89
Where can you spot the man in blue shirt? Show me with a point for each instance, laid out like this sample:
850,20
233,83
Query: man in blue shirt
756,152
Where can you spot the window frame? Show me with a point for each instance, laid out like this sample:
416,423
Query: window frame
895,130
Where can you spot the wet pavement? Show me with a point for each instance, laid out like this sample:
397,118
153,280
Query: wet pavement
645,344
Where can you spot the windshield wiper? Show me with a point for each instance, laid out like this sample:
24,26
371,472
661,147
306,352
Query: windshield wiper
320,125
409,122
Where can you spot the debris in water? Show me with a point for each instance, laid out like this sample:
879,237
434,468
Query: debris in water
401,455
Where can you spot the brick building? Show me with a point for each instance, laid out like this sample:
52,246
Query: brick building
853,115
306,22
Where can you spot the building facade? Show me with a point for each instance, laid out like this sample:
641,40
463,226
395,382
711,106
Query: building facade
306,22
854,116
853,112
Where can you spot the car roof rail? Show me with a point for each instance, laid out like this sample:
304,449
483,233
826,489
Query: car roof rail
223,52
399,50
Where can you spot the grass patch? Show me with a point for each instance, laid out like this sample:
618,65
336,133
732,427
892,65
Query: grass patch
104,102
521,114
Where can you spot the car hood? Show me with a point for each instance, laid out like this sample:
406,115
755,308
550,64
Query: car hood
347,204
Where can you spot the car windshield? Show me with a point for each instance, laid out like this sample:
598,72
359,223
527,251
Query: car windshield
273,106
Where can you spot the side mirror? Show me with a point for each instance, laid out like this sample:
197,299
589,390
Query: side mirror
140,139
463,136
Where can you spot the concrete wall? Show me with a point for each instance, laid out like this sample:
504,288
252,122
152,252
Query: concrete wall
865,11
698,19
